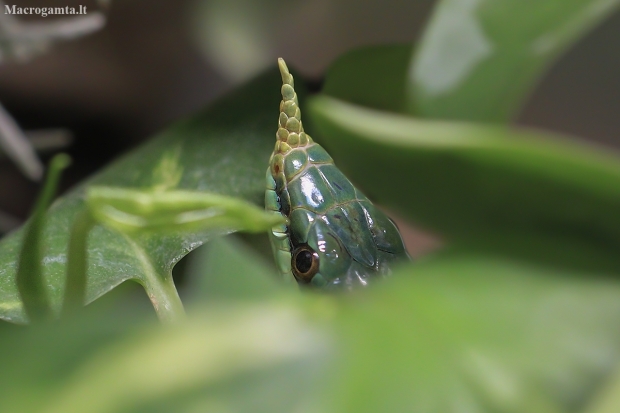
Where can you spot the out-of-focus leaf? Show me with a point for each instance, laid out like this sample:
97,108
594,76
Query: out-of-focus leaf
29,277
224,150
258,358
15,144
608,398
475,334
22,39
516,192
132,211
478,59
372,76
227,269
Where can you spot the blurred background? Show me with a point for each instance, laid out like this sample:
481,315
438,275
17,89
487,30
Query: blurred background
102,83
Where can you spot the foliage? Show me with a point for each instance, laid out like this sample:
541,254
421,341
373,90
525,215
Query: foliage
517,315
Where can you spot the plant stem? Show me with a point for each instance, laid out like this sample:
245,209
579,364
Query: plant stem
160,289
77,263
165,299
29,277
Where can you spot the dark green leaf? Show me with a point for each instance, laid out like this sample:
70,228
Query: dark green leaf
489,188
224,150
227,269
372,76
478,60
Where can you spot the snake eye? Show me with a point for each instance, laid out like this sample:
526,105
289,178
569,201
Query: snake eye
305,263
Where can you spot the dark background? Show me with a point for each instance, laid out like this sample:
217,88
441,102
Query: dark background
158,60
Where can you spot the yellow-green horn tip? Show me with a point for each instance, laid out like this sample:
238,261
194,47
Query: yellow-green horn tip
287,78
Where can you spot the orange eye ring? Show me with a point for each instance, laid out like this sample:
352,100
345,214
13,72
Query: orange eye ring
305,263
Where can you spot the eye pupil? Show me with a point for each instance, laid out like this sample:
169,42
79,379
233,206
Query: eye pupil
303,261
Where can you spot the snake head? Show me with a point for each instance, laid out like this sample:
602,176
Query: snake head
346,247
335,237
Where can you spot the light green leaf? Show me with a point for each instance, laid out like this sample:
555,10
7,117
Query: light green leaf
479,59
133,211
476,334
516,192
223,150
244,358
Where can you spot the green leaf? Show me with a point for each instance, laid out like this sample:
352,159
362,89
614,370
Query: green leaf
372,76
224,150
29,278
478,60
475,333
608,399
133,211
515,192
137,213
246,358
455,332
227,269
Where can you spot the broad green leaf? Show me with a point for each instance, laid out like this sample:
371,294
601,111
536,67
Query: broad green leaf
227,269
224,150
478,59
138,212
475,334
516,192
244,358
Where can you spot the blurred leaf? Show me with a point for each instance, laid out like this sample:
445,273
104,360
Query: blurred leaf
224,150
236,36
488,188
17,147
475,334
227,269
608,398
478,60
132,211
29,278
372,76
258,358
458,332
22,39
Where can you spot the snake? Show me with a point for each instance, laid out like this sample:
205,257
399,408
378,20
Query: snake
334,237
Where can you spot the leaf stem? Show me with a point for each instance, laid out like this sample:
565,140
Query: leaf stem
160,289
165,298
29,277
77,263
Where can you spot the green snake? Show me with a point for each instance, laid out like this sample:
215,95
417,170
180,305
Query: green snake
334,237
